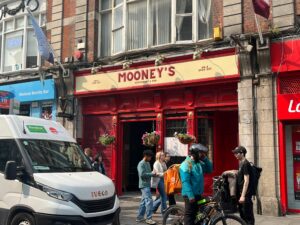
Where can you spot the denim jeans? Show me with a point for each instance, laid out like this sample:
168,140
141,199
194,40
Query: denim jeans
163,197
146,205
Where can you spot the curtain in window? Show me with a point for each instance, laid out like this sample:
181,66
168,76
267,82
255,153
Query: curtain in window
118,29
31,57
180,9
105,45
205,19
137,25
160,22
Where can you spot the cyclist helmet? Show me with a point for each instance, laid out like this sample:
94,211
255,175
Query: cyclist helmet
197,148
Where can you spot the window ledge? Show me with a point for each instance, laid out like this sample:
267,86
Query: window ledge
20,72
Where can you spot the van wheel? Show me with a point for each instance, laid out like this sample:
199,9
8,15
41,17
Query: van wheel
23,219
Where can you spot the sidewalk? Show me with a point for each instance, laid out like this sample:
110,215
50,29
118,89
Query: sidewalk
130,204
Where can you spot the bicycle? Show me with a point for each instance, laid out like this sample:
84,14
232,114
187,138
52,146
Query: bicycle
209,213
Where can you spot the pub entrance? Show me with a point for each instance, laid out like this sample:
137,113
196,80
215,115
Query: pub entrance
133,152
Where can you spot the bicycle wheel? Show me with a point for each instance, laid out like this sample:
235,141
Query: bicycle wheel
174,215
229,220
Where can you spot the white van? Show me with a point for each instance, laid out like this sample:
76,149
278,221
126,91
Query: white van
45,179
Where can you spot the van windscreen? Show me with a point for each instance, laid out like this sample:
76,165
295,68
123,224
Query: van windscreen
55,156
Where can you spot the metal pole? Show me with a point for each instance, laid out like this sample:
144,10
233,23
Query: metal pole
259,30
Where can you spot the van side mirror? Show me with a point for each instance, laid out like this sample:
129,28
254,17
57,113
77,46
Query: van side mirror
10,170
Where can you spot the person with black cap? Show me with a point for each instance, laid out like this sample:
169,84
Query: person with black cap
245,188
145,174
192,179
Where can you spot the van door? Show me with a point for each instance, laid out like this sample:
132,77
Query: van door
10,191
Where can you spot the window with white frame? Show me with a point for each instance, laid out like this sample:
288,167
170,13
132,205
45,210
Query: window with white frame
139,24
20,50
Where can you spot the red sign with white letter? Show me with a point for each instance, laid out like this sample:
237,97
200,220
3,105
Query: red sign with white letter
288,107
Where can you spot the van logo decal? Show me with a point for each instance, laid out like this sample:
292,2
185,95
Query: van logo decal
97,194
53,130
36,129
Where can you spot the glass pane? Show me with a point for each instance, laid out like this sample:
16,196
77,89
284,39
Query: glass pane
184,6
205,135
118,35
20,23
117,2
9,151
173,126
183,28
36,17
0,51
32,50
13,50
205,20
43,20
105,44
118,17
137,25
9,25
105,4
160,22
1,26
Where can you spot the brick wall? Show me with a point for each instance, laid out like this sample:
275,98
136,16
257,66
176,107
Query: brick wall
92,41
217,13
249,25
297,7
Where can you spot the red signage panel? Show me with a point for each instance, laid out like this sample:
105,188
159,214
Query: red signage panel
288,107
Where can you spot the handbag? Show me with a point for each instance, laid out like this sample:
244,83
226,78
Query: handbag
154,182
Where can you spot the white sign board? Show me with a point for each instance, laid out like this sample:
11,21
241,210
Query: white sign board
174,147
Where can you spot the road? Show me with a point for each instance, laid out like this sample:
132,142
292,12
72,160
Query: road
130,203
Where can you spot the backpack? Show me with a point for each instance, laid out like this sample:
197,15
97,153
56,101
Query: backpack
172,180
256,173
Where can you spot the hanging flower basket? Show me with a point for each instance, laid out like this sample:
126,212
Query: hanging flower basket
107,139
185,138
151,139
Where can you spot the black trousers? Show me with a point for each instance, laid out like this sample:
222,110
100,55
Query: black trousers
246,211
190,211
171,199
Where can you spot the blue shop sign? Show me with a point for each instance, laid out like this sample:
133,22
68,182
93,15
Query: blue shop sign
31,91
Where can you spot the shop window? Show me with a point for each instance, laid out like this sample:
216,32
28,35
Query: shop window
9,152
24,110
179,152
205,135
47,111
176,125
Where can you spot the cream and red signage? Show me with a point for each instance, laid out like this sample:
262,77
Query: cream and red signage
288,106
177,73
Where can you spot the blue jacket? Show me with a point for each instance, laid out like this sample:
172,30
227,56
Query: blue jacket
191,175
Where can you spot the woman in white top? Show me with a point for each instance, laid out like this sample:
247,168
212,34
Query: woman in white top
160,168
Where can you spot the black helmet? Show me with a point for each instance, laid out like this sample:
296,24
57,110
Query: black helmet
197,148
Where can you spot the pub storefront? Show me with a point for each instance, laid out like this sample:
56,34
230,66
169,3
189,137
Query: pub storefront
183,95
285,64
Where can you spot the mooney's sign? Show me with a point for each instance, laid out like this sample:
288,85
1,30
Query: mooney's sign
288,106
184,72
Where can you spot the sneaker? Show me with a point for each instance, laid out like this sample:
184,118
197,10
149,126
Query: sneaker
150,221
139,220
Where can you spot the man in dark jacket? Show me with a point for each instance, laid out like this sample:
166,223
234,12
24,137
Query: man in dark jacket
245,186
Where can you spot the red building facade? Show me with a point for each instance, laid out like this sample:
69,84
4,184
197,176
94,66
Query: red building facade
198,97
285,64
